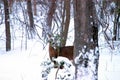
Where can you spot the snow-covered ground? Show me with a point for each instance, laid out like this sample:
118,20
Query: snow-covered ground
22,65
109,65
25,65
109,69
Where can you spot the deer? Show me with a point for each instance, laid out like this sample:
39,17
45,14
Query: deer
55,50
66,51
52,52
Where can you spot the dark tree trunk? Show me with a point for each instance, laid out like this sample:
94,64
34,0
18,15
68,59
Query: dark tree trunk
7,26
31,28
66,22
35,6
86,41
116,21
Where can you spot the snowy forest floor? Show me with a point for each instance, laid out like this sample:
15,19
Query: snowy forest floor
25,65
109,65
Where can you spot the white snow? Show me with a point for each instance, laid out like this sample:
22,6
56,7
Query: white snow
109,62
25,64
67,73
22,65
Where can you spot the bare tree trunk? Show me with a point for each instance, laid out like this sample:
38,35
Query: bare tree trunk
7,26
51,12
116,22
49,19
35,7
31,28
86,41
67,22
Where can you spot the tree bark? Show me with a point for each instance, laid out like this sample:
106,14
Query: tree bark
116,21
31,28
86,55
7,26
35,6
66,23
